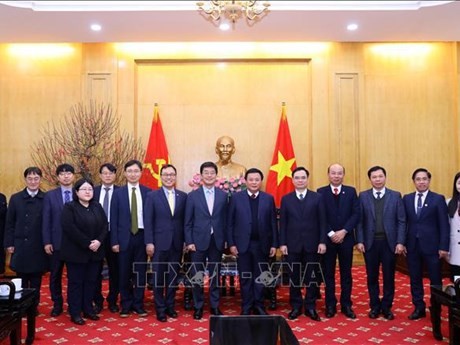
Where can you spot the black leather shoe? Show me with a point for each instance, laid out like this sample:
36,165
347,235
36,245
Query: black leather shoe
98,308
388,314
417,314
56,312
330,312
124,313
139,311
77,320
259,311
93,317
312,314
161,317
294,314
198,314
171,312
114,308
245,312
348,312
216,311
374,313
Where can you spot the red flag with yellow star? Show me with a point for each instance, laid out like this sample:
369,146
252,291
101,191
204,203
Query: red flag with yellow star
156,154
279,181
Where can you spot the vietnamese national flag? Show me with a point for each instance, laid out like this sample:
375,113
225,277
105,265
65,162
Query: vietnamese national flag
156,154
279,181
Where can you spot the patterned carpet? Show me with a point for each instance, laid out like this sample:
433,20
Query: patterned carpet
184,330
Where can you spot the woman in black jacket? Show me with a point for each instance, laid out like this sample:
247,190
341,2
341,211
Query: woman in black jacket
84,227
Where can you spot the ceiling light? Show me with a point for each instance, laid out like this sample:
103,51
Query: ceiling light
216,11
96,27
352,27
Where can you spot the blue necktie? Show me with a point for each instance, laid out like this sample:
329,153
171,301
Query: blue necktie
419,204
66,196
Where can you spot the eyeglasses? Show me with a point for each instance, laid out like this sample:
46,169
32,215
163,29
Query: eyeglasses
136,171
168,175
300,177
32,179
85,190
209,173
65,173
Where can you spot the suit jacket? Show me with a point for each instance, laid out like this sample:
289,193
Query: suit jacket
394,219
3,209
198,220
120,215
303,223
431,227
81,225
239,222
51,225
161,228
342,213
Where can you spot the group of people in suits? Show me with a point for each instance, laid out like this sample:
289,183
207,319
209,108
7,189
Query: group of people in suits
80,225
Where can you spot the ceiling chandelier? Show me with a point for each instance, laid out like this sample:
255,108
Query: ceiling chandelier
218,12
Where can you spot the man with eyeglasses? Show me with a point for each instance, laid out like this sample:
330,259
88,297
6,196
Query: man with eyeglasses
53,203
23,233
127,239
103,194
164,240
302,240
427,239
205,228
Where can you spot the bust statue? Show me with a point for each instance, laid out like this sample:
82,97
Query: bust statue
225,148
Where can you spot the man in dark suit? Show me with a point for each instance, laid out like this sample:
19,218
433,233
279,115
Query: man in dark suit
103,194
127,239
204,230
302,240
23,233
164,240
342,210
428,236
53,204
3,209
381,234
252,236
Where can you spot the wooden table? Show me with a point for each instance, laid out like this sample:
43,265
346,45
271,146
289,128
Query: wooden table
443,295
12,311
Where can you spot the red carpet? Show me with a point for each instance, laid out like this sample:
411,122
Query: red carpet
111,329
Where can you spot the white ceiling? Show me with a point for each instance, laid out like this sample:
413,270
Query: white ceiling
435,23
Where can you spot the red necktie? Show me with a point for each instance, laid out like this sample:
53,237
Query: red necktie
336,191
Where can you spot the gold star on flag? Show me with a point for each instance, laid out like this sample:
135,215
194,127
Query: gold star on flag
282,168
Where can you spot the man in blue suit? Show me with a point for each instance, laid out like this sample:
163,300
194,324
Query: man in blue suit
302,239
428,236
342,209
103,194
127,239
252,236
381,234
164,239
204,230
53,203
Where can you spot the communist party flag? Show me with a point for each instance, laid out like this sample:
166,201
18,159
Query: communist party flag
156,154
279,181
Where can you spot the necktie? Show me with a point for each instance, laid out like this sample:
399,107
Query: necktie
105,202
66,196
134,226
419,203
253,196
301,196
378,195
171,201
336,191
209,200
